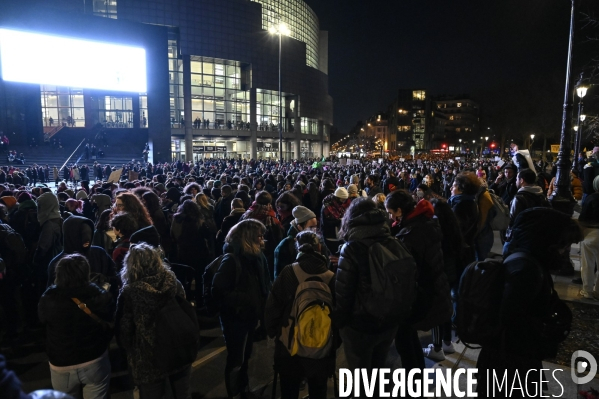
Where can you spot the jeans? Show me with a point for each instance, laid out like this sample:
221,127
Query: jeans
589,253
366,350
239,340
90,382
178,381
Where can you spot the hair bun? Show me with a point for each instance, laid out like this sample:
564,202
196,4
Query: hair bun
306,248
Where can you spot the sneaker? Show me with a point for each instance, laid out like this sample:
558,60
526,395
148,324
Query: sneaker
449,349
587,295
432,354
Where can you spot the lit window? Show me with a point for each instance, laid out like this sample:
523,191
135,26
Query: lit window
419,95
451,117
459,105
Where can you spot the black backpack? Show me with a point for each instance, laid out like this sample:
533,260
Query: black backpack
209,272
177,335
393,287
479,300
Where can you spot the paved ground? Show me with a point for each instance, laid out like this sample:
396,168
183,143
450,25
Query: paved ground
31,365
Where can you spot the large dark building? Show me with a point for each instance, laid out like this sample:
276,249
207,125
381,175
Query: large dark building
409,121
212,76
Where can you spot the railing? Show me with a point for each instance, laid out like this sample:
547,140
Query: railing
50,131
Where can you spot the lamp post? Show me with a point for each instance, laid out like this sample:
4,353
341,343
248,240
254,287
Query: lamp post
280,30
562,199
532,140
581,91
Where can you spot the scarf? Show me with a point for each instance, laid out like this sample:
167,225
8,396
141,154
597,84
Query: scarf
262,213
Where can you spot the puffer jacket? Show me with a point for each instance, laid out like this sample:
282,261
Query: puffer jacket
422,236
72,336
353,273
135,327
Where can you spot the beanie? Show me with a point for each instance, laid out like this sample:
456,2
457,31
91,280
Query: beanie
352,189
302,214
81,195
341,193
23,196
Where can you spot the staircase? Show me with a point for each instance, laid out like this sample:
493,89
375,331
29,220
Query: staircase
123,145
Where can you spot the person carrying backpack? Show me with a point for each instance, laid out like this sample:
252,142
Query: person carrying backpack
307,280
240,288
368,311
527,333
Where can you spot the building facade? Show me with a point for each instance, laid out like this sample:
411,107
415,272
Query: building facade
213,76
456,121
409,121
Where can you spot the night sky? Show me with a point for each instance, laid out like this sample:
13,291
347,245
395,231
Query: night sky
510,55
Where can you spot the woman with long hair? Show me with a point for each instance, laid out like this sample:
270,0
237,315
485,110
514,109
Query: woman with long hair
285,204
207,211
240,287
152,203
148,285
130,203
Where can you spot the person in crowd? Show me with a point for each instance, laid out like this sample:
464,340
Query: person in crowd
77,233
484,233
311,198
229,221
333,209
123,225
416,227
148,285
188,234
285,205
73,207
521,345
292,369
87,207
207,211
505,184
589,247
240,288
366,340
152,203
529,195
223,206
103,235
285,253
371,184
77,340
130,203
463,202
262,211
391,183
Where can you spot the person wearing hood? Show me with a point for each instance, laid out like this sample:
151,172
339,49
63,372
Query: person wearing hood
285,253
241,298
24,220
333,209
521,345
529,195
262,211
50,243
463,202
416,227
223,206
77,233
237,210
101,202
366,339
88,210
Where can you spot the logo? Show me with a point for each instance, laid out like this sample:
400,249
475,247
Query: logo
580,366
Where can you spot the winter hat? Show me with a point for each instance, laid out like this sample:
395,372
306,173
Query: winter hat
81,195
160,188
302,214
147,234
23,196
9,201
70,193
173,194
341,193
352,189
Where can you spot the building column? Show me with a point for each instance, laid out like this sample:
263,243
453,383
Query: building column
187,108
253,125
321,137
298,131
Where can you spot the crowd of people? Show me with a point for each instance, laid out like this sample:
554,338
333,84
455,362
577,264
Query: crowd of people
97,261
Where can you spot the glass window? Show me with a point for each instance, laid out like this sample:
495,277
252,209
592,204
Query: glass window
62,106
419,95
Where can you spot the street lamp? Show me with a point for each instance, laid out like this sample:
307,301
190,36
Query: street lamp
562,199
581,91
280,30
532,140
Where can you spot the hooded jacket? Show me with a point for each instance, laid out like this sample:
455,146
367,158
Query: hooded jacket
76,230
527,197
50,242
102,202
422,236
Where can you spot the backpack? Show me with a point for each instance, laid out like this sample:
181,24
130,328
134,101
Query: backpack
309,330
500,213
177,335
479,299
209,272
12,248
393,287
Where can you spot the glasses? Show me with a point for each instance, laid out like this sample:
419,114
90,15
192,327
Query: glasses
119,205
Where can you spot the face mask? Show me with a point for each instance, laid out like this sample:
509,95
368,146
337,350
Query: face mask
420,194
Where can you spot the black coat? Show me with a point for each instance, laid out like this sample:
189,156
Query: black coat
72,336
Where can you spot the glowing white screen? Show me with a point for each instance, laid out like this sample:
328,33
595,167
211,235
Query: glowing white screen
39,58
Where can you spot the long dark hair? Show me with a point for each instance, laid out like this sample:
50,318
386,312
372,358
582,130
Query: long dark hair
190,211
151,202
358,207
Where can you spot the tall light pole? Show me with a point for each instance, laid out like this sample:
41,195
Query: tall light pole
280,30
581,91
562,199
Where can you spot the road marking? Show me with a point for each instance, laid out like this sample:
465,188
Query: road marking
208,356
